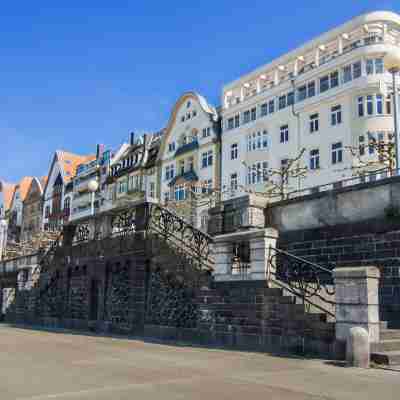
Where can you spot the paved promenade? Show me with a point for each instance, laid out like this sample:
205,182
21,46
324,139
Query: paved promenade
37,365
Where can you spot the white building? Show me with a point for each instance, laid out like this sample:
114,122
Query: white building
189,157
323,97
57,194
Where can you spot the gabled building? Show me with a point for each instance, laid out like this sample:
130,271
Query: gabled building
15,213
132,174
32,210
6,195
84,202
58,189
189,156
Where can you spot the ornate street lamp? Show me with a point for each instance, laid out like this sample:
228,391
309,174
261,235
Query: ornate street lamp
93,186
392,64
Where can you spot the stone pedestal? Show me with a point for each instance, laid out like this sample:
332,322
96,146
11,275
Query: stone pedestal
357,301
259,242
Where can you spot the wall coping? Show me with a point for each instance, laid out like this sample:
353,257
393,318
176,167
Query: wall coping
356,273
247,235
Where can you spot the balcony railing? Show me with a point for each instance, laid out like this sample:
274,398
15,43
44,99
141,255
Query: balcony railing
323,59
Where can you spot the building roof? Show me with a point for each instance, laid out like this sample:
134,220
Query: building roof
24,185
8,190
70,161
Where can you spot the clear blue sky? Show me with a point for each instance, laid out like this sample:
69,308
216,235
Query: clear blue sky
73,76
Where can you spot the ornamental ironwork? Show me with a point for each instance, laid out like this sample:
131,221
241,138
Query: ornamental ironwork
123,223
191,242
82,233
312,283
241,259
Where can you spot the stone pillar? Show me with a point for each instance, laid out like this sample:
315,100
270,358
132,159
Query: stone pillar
357,301
259,251
259,242
222,252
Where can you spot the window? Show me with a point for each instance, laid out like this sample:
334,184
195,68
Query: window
324,84
206,132
123,186
234,151
181,167
194,112
379,104
257,173
206,187
302,93
337,153
180,193
253,114
378,65
374,66
361,145
360,106
271,106
370,106
246,117
314,123
191,164
47,212
334,79
152,190
257,140
230,123
356,69
284,130
169,172
370,67
336,115
290,98
234,181
314,159
347,74
237,120
388,104
282,102
264,109
311,89
171,147
207,159
166,197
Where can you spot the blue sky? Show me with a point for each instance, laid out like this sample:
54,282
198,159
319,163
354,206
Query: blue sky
73,76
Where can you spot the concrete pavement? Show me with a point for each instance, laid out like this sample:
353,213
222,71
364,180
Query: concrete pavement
38,365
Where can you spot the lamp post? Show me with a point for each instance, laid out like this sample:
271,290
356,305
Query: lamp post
93,186
392,64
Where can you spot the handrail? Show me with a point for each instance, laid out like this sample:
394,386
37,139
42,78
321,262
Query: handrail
191,242
310,282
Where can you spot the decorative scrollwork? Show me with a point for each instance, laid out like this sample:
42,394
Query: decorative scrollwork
123,223
82,233
195,244
309,281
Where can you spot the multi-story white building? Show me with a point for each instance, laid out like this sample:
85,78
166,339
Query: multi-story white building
189,157
325,97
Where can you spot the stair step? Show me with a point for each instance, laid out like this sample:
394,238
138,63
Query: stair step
386,357
388,334
385,345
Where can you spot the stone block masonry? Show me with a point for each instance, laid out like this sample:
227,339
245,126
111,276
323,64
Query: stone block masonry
374,242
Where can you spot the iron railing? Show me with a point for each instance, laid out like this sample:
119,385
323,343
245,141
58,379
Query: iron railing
190,242
310,282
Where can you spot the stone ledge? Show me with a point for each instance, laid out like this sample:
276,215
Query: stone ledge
357,273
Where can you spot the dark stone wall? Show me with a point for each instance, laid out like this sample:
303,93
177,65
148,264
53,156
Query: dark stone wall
375,242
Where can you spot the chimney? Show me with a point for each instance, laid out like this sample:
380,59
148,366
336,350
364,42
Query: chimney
132,138
99,151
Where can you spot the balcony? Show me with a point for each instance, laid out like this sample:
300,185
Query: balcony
186,148
269,80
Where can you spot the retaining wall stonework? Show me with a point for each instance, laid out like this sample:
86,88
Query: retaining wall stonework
369,243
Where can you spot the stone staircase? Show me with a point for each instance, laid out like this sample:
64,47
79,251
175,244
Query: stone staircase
250,315
387,351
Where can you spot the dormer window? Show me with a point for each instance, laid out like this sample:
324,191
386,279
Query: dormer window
188,104
171,147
